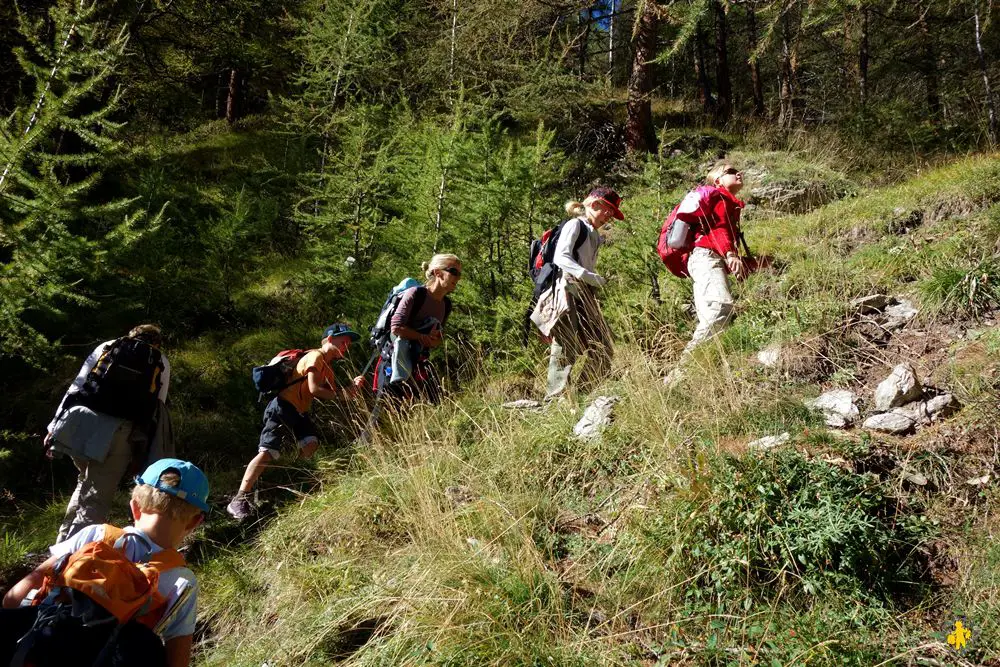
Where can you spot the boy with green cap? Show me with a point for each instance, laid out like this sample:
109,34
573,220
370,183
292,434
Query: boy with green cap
289,410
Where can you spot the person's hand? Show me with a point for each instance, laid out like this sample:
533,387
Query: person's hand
601,281
433,339
735,265
47,444
358,382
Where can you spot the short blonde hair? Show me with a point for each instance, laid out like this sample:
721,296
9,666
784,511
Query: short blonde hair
717,172
153,501
441,261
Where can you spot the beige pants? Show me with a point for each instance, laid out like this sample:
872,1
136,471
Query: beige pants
98,480
582,330
712,300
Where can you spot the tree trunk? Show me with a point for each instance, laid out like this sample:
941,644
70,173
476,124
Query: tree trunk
991,109
722,82
704,86
930,67
639,133
231,96
863,60
785,74
758,85
611,44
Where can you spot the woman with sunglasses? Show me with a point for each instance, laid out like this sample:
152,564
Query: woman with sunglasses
715,255
582,329
420,317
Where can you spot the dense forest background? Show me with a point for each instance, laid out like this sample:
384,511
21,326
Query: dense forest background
244,172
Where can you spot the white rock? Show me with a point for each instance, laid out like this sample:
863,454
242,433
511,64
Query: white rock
889,422
899,314
838,407
979,481
770,441
595,417
915,478
770,356
899,388
523,404
939,405
873,303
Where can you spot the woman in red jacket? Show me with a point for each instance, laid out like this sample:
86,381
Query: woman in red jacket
714,256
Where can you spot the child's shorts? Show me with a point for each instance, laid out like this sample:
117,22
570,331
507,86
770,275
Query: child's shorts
278,416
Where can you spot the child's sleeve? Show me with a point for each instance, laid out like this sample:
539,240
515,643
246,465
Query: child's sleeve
182,608
75,542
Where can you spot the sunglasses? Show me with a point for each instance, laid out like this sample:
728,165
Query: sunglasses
453,271
732,171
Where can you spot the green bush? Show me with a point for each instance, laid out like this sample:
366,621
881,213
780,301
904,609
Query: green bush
785,522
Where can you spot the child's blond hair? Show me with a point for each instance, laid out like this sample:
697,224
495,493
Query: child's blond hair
153,501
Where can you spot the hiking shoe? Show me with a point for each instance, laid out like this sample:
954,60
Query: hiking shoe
240,508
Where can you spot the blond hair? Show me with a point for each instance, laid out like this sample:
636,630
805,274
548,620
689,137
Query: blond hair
575,208
717,172
441,261
153,501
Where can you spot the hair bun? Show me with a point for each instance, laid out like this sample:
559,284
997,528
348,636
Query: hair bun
424,266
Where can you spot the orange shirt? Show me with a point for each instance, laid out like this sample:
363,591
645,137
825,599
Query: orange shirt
298,394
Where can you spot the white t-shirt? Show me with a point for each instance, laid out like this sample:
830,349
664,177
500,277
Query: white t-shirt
89,364
172,584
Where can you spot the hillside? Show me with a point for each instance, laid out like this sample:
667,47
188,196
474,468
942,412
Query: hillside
472,534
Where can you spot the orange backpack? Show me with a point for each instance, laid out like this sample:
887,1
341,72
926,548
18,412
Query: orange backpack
102,572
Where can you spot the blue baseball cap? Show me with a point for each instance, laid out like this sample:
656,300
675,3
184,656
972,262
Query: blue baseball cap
341,329
193,487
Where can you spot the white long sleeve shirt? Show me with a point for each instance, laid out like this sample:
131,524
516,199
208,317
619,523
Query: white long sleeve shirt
89,364
582,266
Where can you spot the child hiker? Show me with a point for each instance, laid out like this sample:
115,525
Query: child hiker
60,626
288,412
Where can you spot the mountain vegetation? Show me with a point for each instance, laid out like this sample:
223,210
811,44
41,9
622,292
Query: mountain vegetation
243,173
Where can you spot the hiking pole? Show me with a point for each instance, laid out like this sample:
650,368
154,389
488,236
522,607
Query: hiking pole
743,242
365,435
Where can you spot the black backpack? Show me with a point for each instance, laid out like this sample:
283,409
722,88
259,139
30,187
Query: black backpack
542,269
125,382
75,634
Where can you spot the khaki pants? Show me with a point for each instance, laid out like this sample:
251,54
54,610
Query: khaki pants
580,331
712,300
98,481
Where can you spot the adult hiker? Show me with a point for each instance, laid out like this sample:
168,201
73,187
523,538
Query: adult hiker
569,313
419,318
113,418
310,377
712,215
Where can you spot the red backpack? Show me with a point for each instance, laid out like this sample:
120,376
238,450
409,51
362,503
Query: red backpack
682,228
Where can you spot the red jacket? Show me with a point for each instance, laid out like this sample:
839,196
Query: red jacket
716,212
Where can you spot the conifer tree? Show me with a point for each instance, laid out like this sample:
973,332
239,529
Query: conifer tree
56,224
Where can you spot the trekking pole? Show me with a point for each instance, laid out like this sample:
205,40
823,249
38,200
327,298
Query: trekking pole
743,242
365,435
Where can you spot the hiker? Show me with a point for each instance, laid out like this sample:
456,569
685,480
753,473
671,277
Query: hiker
578,327
113,419
419,317
288,412
713,212
90,578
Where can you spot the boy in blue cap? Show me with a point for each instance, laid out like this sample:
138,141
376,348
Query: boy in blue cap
168,503
289,410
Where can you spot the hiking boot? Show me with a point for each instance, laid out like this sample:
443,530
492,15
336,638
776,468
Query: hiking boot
240,508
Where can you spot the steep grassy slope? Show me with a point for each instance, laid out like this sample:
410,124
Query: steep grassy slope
473,535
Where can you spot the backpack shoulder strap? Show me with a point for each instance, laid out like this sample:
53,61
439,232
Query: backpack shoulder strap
419,299
166,559
112,534
580,238
447,309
